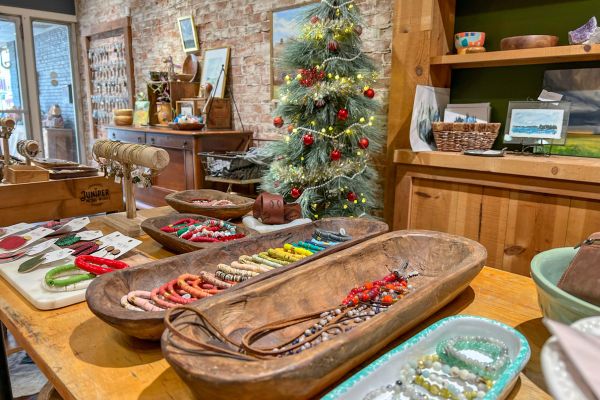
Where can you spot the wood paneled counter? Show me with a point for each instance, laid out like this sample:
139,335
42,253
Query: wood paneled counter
185,169
516,206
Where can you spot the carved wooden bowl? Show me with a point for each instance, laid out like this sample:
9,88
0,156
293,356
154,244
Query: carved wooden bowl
182,202
105,292
446,263
169,240
528,42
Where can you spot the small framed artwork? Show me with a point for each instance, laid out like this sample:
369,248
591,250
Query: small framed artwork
186,107
188,33
286,24
214,69
537,122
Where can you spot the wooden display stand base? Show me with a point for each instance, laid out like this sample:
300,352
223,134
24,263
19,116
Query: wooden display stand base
127,226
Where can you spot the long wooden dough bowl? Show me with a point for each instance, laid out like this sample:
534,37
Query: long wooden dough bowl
169,240
446,263
181,201
104,293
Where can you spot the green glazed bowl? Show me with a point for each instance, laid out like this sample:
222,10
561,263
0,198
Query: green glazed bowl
546,269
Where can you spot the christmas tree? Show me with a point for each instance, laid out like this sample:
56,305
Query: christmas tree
326,114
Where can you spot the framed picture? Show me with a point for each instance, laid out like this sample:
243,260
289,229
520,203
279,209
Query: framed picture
188,33
537,122
186,107
580,87
214,69
286,24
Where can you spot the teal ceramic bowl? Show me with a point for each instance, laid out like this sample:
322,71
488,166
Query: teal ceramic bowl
546,269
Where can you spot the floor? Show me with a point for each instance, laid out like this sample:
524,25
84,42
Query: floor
25,377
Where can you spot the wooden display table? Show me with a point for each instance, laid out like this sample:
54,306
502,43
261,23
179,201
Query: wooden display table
185,169
516,206
86,359
61,198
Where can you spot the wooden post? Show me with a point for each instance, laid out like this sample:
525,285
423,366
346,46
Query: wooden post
422,29
129,192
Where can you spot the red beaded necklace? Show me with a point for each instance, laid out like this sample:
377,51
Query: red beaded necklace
98,265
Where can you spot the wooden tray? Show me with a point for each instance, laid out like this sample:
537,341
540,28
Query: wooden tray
447,264
181,202
169,240
105,292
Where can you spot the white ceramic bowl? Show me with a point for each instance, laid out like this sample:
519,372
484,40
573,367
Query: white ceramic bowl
384,370
558,378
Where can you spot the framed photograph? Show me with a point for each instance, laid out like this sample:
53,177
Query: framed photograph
427,108
188,34
537,122
214,69
186,107
286,24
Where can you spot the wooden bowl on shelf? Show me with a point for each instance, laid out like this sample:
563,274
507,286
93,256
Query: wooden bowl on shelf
123,120
186,127
169,240
446,265
104,293
528,42
183,202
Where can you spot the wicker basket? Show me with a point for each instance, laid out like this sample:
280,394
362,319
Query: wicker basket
451,136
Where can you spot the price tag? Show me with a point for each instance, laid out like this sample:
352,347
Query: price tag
57,255
74,225
38,248
90,235
120,244
11,230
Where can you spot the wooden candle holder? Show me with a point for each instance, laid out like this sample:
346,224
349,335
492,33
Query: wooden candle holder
127,158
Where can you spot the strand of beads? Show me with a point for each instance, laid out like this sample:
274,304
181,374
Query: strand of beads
361,304
210,230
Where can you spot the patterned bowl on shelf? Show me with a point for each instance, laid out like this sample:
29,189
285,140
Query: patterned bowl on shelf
559,378
546,269
465,40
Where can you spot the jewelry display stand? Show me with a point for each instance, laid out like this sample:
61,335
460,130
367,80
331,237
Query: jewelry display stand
28,149
7,126
125,162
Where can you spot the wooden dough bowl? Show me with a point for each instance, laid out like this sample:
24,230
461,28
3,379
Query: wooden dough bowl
105,292
447,264
181,201
528,42
169,240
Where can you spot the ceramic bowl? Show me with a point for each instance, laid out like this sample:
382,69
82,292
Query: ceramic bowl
546,269
464,40
559,379
384,370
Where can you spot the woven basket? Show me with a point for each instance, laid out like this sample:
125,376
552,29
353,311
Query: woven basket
451,136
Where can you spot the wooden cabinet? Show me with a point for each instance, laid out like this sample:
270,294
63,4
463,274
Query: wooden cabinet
185,169
516,206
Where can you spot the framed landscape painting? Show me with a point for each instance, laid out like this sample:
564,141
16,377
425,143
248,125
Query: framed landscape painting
286,24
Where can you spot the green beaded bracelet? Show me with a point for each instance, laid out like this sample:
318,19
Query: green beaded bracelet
54,278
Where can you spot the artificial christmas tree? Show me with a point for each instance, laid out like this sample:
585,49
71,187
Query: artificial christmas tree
328,105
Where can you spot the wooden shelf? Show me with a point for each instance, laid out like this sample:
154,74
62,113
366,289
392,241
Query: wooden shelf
577,169
547,55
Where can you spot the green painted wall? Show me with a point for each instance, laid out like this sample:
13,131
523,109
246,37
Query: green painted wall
503,18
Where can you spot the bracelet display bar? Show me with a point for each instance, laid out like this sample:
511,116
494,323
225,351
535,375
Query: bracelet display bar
44,201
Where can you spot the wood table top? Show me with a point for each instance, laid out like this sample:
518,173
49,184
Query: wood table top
84,358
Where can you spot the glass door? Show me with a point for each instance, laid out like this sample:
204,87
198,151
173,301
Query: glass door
54,69
12,91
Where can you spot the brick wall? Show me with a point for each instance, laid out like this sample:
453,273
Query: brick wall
244,25
51,48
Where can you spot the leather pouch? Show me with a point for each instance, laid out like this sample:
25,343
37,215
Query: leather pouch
582,277
272,210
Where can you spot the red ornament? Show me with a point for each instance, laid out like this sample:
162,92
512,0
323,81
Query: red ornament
278,122
290,128
295,192
333,46
342,114
335,155
315,20
363,143
308,139
370,93
351,196
309,77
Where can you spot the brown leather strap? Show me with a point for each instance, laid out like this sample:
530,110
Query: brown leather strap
269,208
